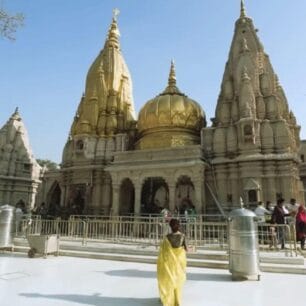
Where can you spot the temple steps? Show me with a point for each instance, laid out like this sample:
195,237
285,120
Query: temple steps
214,259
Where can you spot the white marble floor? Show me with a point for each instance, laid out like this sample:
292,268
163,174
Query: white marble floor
74,281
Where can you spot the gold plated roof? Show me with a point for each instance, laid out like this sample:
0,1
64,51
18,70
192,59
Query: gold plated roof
168,111
107,106
171,108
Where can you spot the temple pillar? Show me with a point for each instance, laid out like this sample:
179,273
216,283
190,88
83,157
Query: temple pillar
107,195
115,202
137,199
221,175
96,193
172,203
199,195
234,189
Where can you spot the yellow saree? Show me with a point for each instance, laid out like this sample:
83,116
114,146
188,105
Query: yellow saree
171,275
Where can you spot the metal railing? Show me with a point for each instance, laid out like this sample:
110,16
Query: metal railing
273,237
149,231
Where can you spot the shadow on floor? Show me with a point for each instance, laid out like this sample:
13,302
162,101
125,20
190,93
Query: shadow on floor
206,277
151,274
96,299
131,273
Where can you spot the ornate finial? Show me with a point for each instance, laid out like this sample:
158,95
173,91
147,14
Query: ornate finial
16,115
242,9
171,88
172,76
116,12
113,32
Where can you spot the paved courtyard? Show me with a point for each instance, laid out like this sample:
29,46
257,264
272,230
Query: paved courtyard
75,281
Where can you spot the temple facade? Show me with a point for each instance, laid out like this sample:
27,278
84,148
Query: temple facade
19,171
116,163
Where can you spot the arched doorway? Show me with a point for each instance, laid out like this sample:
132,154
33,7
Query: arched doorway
126,197
154,195
184,194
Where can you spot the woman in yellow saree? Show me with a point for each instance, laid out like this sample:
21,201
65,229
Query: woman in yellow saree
171,266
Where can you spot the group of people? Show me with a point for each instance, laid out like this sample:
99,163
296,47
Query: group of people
282,214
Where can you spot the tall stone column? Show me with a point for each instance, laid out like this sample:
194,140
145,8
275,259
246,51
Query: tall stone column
107,199
96,193
67,181
199,195
269,186
172,203
115,204
137,199
221,175
234,188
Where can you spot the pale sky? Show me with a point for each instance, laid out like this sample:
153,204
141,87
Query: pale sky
43,72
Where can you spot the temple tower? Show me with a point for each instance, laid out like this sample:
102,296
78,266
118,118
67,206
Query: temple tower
19,170
104,123
253,142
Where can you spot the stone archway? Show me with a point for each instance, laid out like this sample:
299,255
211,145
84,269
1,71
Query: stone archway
154,195
184,194
126,197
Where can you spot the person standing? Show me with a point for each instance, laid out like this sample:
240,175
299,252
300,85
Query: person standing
278,218
301,225
261,212
171,266
18,219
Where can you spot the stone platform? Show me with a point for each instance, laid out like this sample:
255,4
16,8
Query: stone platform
72,281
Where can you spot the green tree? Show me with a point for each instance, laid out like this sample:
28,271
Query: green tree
50,165
9,24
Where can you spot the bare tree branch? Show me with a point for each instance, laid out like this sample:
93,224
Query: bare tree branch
9,24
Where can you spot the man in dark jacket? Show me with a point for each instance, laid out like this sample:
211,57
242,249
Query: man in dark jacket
278,217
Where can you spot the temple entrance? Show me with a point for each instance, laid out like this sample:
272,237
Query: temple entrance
54,199
126,198
184,194
154,195
77,199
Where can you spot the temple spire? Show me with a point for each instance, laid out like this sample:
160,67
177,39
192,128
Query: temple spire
16,115
172,76
171,88
242,9
113,32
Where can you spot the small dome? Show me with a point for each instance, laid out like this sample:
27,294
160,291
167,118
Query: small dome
170,119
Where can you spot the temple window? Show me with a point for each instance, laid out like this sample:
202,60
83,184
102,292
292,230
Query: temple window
80,145
302,158
230,198
248,133
27,167
252,196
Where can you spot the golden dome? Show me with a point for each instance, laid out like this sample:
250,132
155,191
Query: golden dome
170,119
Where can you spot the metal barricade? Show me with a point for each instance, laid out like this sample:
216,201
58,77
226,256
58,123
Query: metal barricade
149,231
272,236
